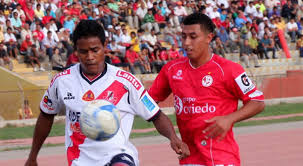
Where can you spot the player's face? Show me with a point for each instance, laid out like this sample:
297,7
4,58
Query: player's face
90,52
196,42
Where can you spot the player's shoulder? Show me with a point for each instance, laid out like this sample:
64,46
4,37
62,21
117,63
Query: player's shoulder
64,75
177,63
125,77
227,66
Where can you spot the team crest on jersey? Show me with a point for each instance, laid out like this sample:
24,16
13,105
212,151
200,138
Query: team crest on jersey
88,96
110,97
47,103
207,80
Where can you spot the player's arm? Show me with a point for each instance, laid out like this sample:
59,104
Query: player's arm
240,85
50,105
165,128
220,125
42,129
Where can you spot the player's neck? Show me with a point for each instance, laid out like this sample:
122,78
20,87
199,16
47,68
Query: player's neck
196,63
93,76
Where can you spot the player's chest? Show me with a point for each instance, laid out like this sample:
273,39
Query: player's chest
197,83
77,96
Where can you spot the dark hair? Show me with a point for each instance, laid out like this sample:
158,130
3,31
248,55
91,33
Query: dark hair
88,28
198,18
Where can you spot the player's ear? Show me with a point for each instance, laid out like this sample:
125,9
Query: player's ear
209,37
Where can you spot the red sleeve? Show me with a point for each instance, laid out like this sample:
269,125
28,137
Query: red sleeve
160,88
242,86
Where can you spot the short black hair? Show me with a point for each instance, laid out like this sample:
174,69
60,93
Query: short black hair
198,18
88,28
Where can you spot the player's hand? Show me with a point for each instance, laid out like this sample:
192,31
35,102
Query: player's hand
219,126
30,162
180,148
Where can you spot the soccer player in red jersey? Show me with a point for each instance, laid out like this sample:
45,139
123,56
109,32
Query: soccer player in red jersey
206,89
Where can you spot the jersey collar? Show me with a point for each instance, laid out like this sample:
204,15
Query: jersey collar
91,81
212,55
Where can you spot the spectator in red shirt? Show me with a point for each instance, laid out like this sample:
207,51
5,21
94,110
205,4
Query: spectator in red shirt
133,59
226,23
173,53
25,45
83,16
156,61
74,10
28,49
164,55
46,19
29,12
160,19
39,33
72,59
62,3
217,22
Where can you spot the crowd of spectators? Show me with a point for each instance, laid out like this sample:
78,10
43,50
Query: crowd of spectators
144,34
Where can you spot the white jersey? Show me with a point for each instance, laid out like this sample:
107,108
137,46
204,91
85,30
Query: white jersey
73,90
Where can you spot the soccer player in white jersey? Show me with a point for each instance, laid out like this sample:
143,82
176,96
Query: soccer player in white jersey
94,79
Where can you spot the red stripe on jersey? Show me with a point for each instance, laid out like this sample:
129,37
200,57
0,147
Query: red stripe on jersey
143,93
65,72
113,93
77,139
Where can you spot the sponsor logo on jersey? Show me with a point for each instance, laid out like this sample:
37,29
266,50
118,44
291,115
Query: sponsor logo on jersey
47,103
178,75
130,78
244,80
88,96
207,80
69,96
147,101
74,116
180,107
65,72
188,99
244,83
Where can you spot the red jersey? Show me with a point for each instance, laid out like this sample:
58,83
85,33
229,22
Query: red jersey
46,19
159,18
25,45
131,56
202,93
39,34
174,54
30,12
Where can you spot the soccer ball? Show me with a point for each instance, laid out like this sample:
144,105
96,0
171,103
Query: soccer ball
100,120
